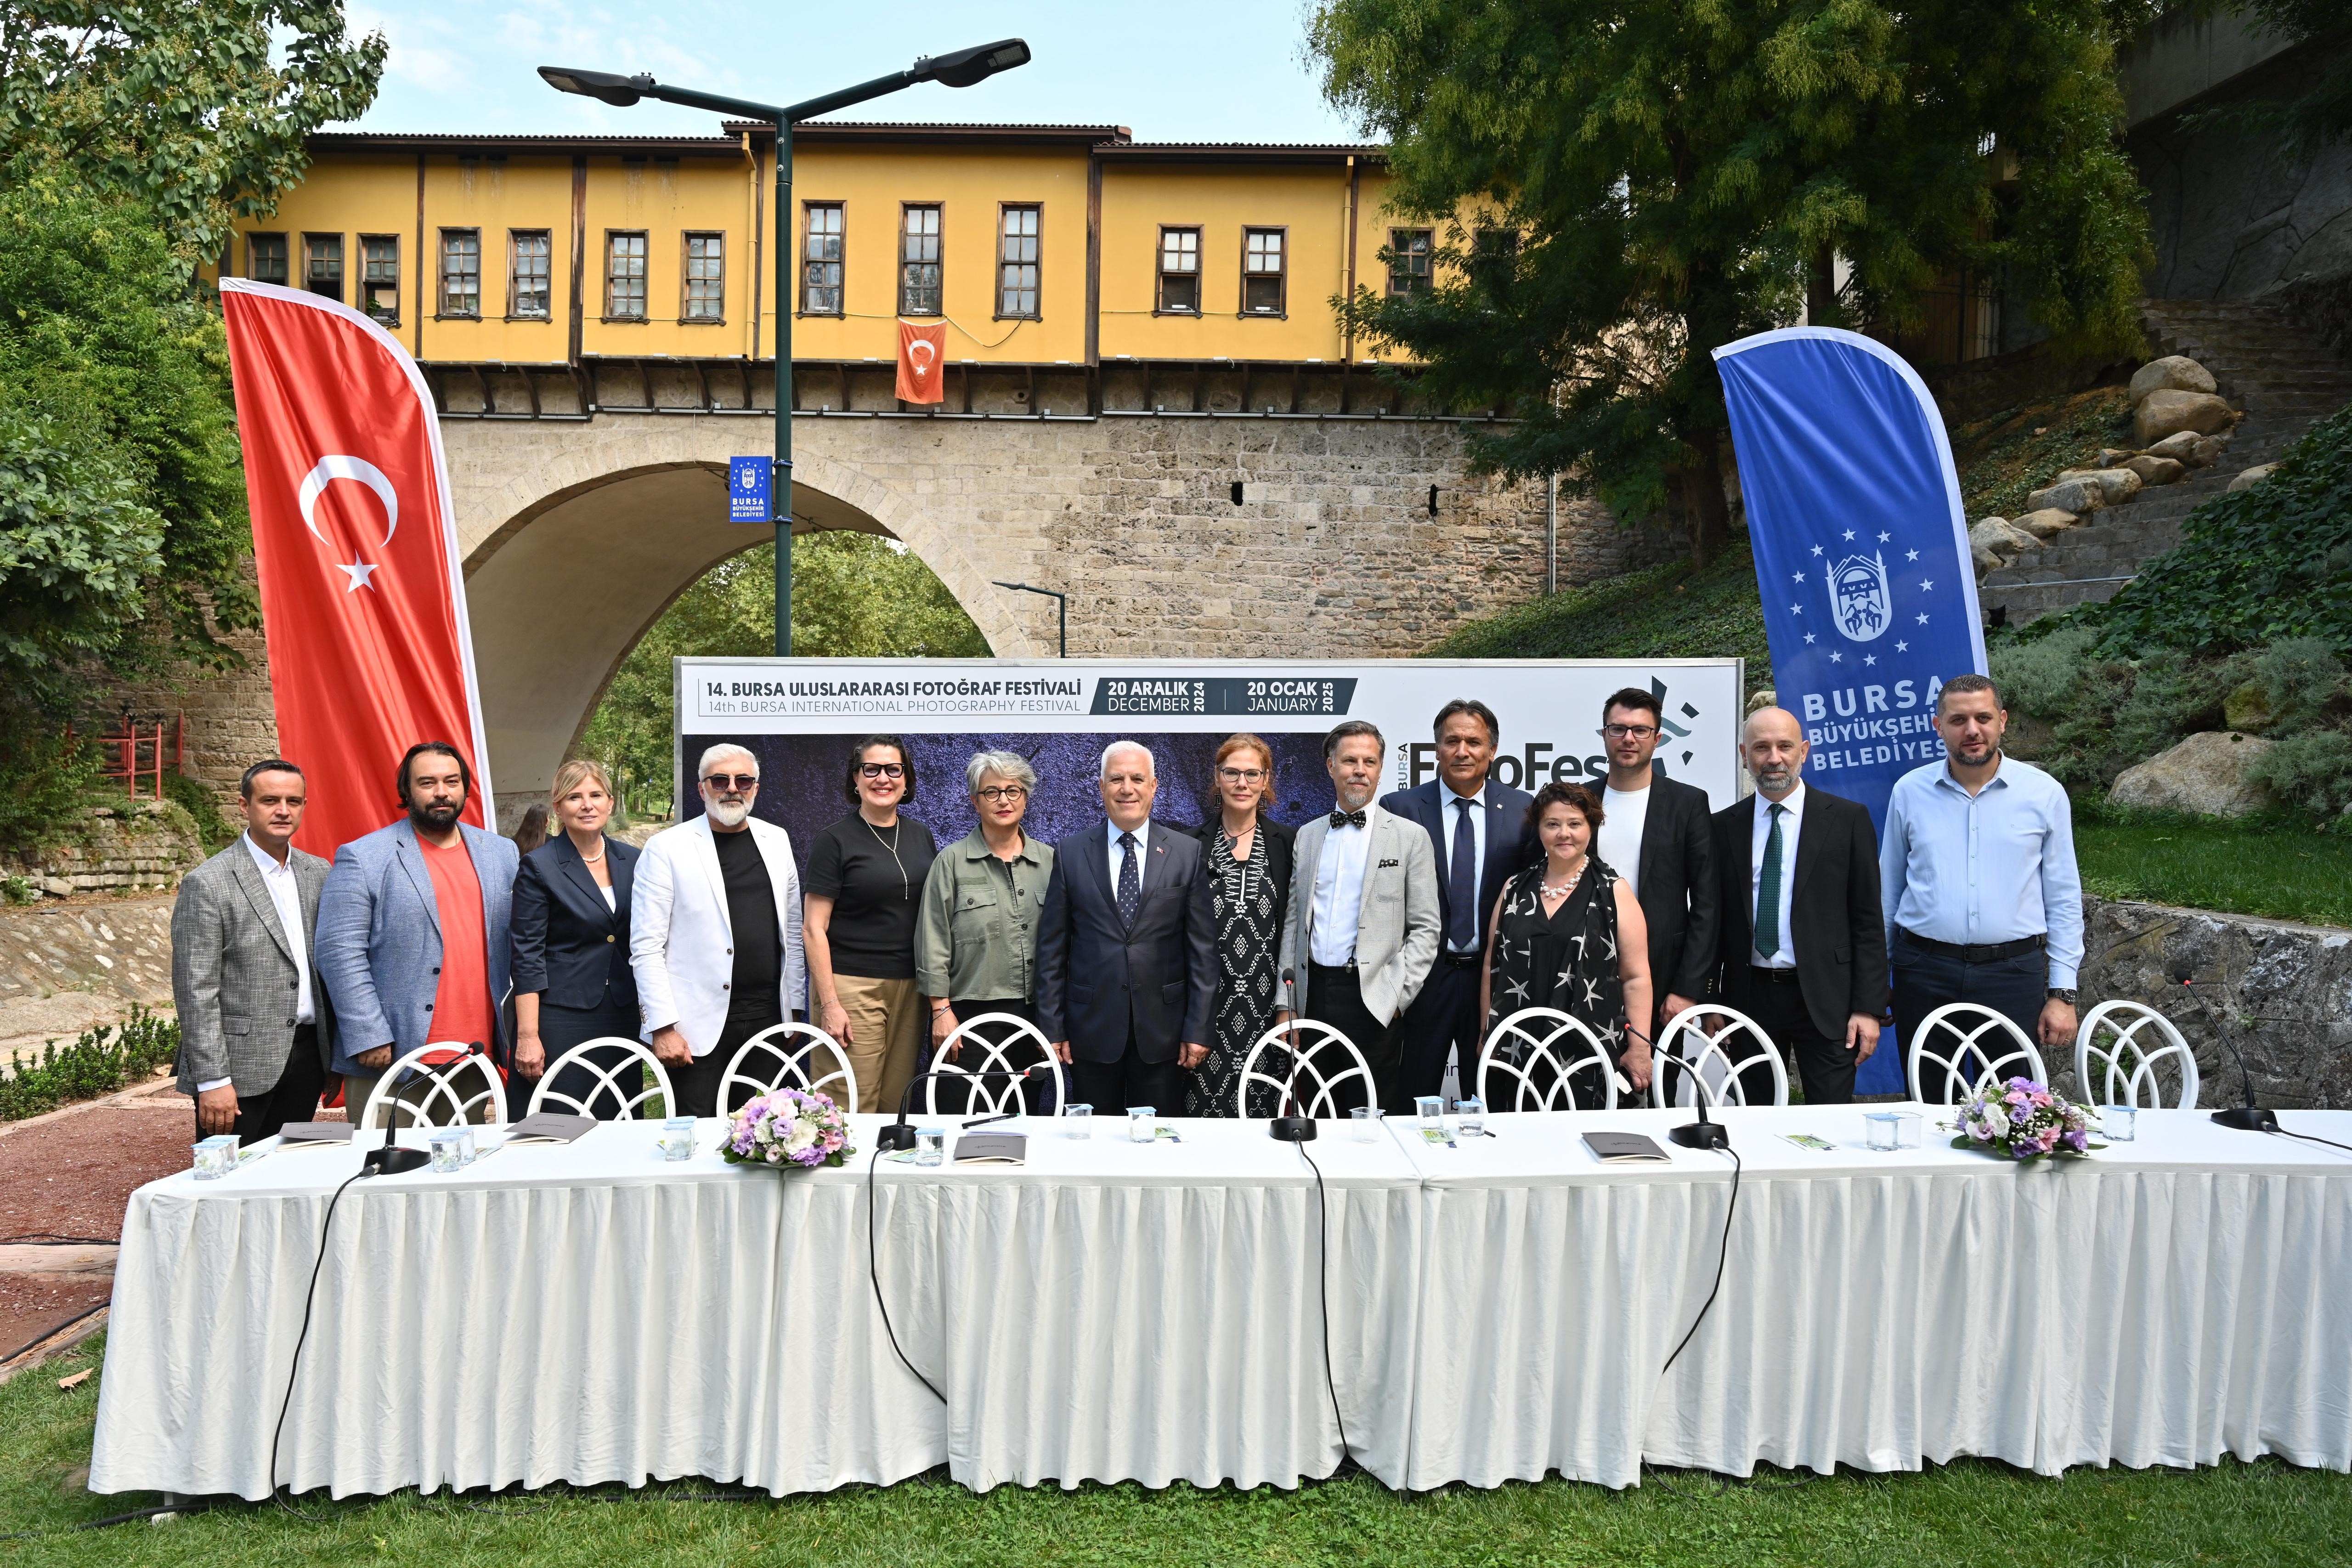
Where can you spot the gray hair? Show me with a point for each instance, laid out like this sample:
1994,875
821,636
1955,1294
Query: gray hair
1005,765
1118,746
724,749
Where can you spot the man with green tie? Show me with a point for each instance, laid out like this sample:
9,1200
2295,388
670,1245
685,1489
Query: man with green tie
1803,948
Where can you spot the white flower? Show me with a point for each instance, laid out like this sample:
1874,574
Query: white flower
802,1135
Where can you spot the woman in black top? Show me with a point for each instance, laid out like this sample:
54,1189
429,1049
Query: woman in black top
1568,934
569,928
864,889
1248,866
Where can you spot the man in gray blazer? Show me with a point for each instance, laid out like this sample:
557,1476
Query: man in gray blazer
255,1034
1362,931
412,928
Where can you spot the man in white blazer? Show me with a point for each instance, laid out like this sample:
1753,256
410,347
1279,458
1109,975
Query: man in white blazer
1362,931
715,931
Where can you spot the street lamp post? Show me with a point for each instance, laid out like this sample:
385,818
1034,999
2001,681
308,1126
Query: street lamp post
1061,603
961,69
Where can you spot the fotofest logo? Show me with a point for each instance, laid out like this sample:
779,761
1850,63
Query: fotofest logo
1521,764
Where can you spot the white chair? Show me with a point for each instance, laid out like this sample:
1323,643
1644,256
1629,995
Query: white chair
2129,1065
441,1091
1538,1050
1969,1060
1316,1060
1006,1044
1706,1067
603,1061
786,1056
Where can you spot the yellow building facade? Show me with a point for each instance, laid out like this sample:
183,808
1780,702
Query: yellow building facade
1043,249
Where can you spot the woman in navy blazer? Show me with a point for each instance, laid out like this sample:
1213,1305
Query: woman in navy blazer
571,932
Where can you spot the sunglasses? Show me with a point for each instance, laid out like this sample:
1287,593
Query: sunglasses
739,781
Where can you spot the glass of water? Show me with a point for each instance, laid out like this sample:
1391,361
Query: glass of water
467,1152
2120,1123
1142,1123
1470,1116
1364,1123
677,1138
930,1146
448,1147
1883,1133
215,1156
1078,1120
1430,1109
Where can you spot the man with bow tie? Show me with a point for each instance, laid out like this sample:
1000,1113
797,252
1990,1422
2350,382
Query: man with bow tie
1362,931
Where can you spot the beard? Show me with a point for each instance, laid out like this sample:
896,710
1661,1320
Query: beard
1772,780
726,813
440,816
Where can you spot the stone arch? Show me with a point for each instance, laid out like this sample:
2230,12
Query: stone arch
573,547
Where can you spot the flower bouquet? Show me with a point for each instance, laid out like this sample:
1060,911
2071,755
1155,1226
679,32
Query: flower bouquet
2022,1119
788,1127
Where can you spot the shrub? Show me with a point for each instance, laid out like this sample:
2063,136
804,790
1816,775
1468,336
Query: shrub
203,806
2311,770
2299,677
102,1060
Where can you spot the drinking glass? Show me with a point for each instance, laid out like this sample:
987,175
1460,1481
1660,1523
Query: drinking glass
448,1146
1080,1119
1142,1123
2120,1123
1884,1132
1364,1123
1907,1129
1431,1109
466,1150
930,1146
677,1138
1470,1116
215,1156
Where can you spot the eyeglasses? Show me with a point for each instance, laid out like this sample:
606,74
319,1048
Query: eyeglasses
881,770
1629,731
995,793
1241,775
739,781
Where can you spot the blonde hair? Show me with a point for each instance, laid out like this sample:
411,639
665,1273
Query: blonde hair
573,774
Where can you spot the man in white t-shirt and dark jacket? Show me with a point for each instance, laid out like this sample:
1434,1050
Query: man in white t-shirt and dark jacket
1656,833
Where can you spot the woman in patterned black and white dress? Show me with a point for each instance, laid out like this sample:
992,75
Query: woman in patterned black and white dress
1568,934
1248,866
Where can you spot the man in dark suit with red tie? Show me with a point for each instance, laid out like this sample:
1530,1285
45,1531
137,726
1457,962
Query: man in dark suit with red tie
1478,829
1127,961
1804,948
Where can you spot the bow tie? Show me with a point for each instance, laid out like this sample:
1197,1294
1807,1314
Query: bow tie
1341,818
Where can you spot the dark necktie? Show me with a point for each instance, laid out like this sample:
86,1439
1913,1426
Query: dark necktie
1130,878
1461,881
1341,818
1767,889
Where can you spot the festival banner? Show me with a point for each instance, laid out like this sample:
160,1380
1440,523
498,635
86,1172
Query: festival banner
1862,555
363,591
921,368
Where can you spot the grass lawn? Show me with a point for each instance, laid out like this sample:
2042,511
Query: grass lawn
2264,1513
2275,867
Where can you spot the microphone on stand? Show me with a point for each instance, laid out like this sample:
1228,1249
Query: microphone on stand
1290,1126
2249,1117
391,1160
900,1134
1702,1133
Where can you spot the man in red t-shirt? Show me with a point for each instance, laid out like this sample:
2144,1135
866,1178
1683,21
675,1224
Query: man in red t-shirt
412,938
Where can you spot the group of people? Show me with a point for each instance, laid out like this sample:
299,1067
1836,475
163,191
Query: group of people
1150,956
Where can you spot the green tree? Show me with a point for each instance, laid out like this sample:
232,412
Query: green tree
853,596
197,109
1673,176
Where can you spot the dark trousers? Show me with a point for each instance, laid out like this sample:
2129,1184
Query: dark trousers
1336,997
1924,979
1114,1088
697,1083
293,1098
952,1096
1823,1067
561,1028
1443,1018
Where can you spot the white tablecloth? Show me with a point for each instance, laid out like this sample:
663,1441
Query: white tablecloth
1113,1310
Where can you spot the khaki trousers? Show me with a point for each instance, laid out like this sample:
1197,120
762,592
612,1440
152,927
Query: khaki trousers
886,1024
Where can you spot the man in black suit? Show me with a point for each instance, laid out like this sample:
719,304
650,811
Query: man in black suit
1478,829
1653,833
1803,949
1127,961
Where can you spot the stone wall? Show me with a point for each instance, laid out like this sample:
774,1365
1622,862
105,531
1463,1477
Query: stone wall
138,845
2282,993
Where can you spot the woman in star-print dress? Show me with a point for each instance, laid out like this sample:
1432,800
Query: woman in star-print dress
1568,935
1248,866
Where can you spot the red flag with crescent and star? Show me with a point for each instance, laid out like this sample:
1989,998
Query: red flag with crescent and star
363,591
922,368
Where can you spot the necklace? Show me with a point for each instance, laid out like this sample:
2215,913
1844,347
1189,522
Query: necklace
1565,888
598,858
891,844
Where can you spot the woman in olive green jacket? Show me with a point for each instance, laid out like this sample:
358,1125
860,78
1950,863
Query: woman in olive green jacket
976,937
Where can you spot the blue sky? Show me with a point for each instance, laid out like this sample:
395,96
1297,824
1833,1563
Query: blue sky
1196,71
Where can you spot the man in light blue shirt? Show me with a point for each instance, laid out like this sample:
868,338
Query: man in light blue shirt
1976,876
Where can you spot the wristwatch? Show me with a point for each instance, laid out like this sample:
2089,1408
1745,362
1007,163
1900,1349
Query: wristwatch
2065,993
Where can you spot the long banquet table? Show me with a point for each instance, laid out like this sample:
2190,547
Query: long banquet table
1498,1308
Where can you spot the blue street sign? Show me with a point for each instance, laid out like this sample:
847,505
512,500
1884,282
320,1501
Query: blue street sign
749,497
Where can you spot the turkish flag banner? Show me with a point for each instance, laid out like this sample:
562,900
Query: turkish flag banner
921,364
362,592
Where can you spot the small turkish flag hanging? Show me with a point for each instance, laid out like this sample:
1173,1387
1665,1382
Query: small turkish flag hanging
919,362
